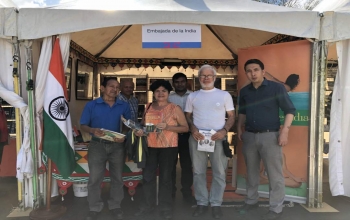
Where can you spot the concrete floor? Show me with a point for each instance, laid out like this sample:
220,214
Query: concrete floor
77,208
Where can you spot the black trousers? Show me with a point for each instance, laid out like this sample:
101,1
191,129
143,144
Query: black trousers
164,159
186,166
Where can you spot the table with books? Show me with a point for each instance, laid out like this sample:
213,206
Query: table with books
131,174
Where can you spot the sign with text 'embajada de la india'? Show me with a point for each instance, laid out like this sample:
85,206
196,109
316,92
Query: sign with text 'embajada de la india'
171,36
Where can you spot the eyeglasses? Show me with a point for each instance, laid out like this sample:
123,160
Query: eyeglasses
206,76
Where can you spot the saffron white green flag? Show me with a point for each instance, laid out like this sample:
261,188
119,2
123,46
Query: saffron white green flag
58,137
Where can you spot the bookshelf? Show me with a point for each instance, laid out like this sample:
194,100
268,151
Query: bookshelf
10,116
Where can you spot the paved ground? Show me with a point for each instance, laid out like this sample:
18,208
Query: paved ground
77,208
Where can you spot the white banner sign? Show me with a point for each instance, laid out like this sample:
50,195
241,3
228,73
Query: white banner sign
171,36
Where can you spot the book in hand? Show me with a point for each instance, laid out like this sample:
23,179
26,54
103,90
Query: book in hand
110,135
207,144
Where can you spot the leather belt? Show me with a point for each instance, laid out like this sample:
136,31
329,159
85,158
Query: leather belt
262,131
102,140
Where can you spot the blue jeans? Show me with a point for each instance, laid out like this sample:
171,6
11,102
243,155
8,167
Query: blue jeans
98,155
218,162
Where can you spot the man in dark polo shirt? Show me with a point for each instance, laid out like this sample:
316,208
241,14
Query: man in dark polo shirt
259,104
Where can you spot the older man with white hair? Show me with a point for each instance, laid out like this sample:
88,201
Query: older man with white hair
206,110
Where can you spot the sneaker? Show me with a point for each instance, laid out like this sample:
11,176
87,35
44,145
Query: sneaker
200,210
216,212
247,207
117,213
271,215
92,215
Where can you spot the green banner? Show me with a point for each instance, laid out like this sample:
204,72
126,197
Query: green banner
301,118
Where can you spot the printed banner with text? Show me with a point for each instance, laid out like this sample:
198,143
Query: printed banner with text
171,36
290,65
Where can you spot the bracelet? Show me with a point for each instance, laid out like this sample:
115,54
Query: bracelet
225,130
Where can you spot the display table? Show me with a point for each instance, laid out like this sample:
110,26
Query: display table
131,174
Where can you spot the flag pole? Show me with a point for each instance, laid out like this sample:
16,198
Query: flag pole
48,188
48,212
49,163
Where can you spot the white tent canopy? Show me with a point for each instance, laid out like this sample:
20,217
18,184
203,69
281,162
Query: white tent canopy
8,28
335,23
8,19
335,28
129,44
80,15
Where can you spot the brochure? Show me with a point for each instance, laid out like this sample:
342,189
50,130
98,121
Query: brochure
110,135
152,119
131,124
207,144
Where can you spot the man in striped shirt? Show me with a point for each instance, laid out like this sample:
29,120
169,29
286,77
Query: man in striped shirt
179,97
126,95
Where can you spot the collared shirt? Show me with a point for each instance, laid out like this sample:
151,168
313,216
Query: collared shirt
179,100
134,105
98,114
261,106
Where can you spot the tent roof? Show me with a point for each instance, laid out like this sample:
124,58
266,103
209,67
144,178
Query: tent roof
129,45
8,19
335,23
80,15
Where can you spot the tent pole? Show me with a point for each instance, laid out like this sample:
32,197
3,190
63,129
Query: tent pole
16,87
313,113
33,145
320,138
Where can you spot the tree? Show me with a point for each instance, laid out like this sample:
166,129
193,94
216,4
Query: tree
305,4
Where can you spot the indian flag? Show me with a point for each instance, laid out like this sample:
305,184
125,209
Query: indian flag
58,137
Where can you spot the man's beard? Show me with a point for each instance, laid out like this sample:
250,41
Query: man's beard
207,86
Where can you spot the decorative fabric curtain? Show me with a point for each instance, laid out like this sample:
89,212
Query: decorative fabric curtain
6,78
339,146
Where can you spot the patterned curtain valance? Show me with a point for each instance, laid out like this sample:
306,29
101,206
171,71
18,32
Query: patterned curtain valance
281,38
83,54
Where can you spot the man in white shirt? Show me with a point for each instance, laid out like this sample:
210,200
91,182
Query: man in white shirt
205,110
179,97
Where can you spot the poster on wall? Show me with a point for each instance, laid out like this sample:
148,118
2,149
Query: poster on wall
289,64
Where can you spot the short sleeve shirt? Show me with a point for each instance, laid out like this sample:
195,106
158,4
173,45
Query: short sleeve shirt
209,108
98,114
